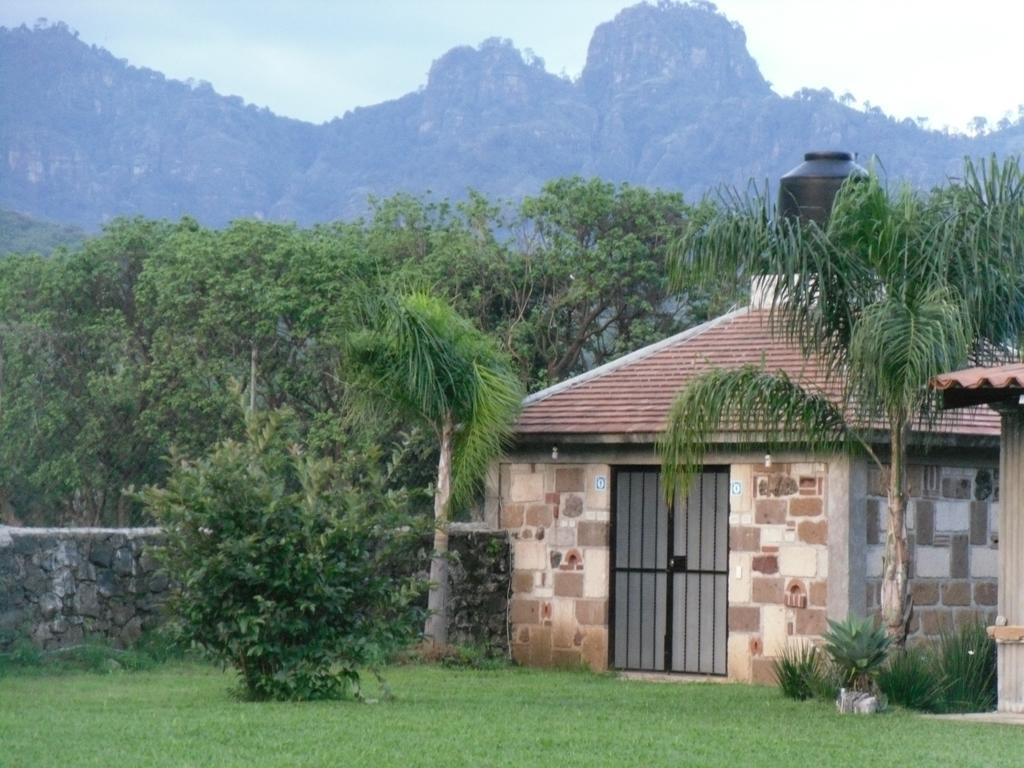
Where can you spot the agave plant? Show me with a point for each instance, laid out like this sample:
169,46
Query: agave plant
858,648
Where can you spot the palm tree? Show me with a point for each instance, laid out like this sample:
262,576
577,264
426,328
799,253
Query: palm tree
415,353
897,288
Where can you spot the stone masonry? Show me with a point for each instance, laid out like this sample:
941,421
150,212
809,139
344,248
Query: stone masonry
952,529
778,563
559,522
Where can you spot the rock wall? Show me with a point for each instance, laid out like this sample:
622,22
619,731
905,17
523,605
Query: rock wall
952,530
59,586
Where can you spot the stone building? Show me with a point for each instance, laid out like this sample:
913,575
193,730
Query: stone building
762,551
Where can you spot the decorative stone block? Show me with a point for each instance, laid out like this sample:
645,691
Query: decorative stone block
572,505
529,555
762,672
956,593
527,487
562,535
522,611
776,485
813,532
569,479
873,520
766,564
568,584
810,621
563,622
798,561
595,574
592,612
594,648
805,506
738,657
539,649
931,562
771,534
952,516
959,566
773,629
934,622
538,514
979,523
744,539
739,577
744,618
955,485
985,593
522,582
924,592
984,563
769,511
591,534
818,594
924,521
765,590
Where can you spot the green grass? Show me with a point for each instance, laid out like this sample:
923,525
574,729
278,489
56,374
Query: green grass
186,715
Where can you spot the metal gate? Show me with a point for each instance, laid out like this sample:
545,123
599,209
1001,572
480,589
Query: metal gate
670,574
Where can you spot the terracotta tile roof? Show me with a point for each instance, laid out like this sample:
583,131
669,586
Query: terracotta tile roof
998,377
632,395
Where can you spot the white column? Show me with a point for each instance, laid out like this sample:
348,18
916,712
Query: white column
1011,558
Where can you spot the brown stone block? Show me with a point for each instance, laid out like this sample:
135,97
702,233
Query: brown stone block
562,632
569,479
538,514
810,621
924,592
762,671
568,584
813,533
956,593
985,592
770,511
874,533
521,653
572,505
776,485
744,618
924,522
956,487
805,506
592,612
590,534
524,611
767,591
979,523
964,617
566,658
522,582
540,647
959,564
935,622
818,594
744,539
594,648
512,516
808,486
767,564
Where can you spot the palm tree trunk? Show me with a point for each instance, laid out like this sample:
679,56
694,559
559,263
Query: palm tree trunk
895,577
436,629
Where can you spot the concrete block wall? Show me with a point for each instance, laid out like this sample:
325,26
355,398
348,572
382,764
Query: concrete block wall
558,519
778,563
952,529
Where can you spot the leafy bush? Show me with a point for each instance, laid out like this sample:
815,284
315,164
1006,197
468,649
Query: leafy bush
910,679
287,573
966,660
857,648
798,670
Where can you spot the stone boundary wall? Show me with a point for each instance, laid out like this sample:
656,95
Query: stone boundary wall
60,586
952,530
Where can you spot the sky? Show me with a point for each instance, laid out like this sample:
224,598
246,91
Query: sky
315,59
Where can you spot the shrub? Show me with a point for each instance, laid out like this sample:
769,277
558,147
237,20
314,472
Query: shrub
910,679
966,660
857,648
797,671
287,572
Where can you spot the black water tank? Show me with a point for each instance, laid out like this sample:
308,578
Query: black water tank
807,192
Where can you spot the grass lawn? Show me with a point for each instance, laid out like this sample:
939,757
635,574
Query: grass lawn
186,716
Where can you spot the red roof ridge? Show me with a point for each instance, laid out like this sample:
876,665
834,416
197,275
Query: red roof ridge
636,355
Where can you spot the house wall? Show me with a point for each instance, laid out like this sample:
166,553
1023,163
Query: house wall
952,529
559,520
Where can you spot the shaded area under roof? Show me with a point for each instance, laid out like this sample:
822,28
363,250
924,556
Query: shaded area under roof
974,386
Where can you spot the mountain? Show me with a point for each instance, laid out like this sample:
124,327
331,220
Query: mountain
669,97
23,234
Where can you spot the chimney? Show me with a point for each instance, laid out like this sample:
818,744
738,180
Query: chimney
807,192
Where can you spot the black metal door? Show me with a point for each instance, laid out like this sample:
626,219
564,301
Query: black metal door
670,574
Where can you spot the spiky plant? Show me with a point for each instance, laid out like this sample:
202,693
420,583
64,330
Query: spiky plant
857,648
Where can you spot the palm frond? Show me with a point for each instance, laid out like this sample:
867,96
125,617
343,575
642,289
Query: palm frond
758,408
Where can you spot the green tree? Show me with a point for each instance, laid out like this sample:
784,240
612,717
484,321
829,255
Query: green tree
897,288
417,354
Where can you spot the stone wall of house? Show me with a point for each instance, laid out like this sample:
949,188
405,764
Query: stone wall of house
778,563
61,586
952,530
558,518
